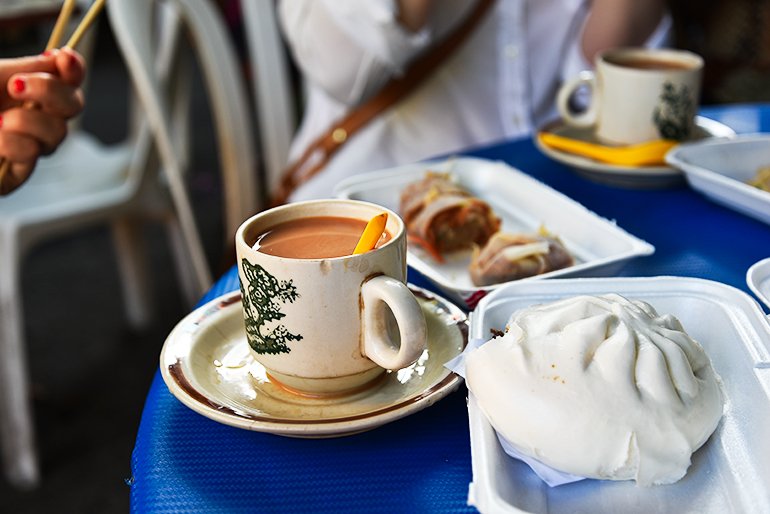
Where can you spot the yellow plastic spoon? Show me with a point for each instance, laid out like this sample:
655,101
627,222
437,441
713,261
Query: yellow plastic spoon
371,233
651,153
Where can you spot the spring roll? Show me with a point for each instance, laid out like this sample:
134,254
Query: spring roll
443,217
513,256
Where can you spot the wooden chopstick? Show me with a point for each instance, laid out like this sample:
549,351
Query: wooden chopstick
53,42
85,23
61,24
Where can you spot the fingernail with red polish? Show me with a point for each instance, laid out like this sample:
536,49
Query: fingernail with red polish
19,85
71,59
48,53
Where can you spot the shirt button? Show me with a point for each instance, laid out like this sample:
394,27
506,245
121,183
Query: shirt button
511,51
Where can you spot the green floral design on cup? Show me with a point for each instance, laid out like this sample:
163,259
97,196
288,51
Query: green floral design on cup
673,117
262,305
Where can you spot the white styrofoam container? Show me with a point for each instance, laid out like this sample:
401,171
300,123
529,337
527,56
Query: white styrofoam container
721,168
758,278
730,473
599,246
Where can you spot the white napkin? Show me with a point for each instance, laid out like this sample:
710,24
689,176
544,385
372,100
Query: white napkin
547,474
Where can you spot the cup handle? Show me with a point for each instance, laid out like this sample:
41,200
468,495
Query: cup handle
583,119
377,294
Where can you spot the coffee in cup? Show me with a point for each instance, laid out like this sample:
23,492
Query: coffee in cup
637,95
321,320
317,237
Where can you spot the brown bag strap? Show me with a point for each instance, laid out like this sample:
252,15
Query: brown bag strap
322,149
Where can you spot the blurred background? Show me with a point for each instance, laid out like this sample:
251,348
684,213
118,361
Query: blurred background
90,372
733,36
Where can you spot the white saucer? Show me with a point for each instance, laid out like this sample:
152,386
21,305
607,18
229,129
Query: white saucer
207,365
636,177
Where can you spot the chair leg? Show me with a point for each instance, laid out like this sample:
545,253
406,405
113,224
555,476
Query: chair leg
184,266
189,239
131,255
16,427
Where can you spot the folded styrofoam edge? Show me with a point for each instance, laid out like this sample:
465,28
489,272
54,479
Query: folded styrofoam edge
730,296
758,273
480,494
678,150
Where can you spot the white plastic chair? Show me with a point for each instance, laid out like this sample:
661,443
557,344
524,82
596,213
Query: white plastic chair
272,89
86,183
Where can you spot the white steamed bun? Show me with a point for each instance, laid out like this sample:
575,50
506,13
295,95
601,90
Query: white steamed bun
600,387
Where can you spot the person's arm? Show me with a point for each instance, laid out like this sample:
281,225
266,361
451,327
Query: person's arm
413,14
52,81
613,23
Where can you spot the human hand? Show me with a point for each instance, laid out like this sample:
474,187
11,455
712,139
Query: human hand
52,82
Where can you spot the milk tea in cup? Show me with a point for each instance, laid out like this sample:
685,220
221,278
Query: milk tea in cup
321,320
637,95
317,237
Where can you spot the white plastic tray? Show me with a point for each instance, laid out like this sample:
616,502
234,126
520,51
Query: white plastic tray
720,168
524,204
730,473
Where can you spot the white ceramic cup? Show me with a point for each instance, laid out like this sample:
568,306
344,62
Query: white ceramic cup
637,95
329,326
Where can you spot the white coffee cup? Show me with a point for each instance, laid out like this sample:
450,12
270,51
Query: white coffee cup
637,95
329,326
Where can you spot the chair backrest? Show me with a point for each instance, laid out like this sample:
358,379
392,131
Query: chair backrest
273,93
132,22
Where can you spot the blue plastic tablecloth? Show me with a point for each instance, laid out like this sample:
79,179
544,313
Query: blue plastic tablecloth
184,462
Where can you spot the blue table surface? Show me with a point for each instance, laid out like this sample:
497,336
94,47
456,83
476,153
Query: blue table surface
184,462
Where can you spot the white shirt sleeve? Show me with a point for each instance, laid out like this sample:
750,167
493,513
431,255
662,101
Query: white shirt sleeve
574,60
348,48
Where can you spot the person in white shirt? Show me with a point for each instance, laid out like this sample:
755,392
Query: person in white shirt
500,84
52,82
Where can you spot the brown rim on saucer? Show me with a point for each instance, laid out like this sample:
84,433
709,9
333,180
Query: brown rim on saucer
214,405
